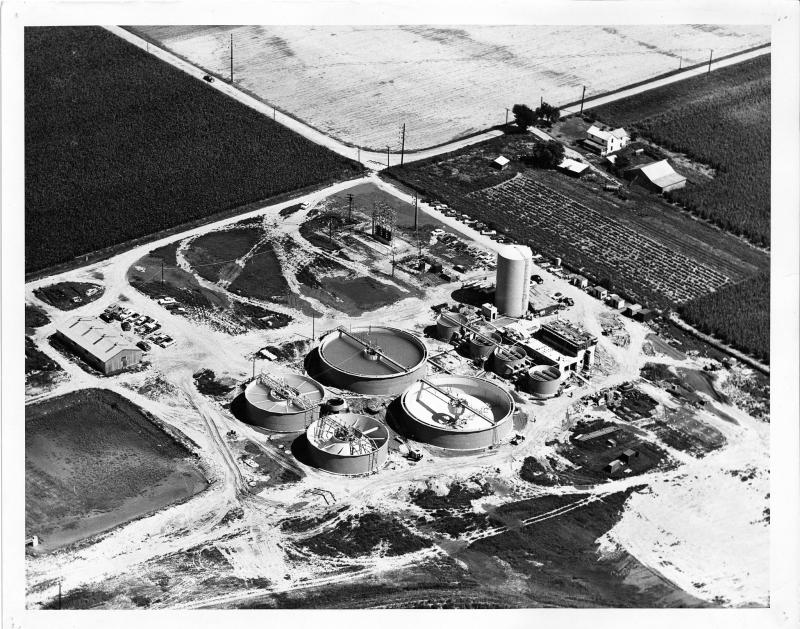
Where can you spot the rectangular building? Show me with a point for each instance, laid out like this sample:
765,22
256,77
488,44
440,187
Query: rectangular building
99,344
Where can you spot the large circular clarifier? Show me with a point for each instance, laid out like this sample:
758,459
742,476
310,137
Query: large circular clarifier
282,402
457,412
376,360
348,443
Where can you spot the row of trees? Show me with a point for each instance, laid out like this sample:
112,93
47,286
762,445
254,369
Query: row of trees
524,116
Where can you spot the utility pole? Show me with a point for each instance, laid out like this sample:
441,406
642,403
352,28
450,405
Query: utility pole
506,115
583,95
350,207
402,143
680,62
710,56
162,272
359,153
254,366
416,211
387,156
59,593
541,100
273,113
231,58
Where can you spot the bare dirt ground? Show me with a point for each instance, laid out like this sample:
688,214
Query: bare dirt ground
697,529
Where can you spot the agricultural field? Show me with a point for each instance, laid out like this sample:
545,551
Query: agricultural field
738,314
721,120
638,246
118,140
82,478
450,81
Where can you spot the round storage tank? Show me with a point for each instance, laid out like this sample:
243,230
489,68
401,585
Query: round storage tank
514,266
456,412
544,380
482,343
374,360
448,324
282,402
508,359
348,444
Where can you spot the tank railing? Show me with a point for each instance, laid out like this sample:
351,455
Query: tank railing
371,348
284,390
456,400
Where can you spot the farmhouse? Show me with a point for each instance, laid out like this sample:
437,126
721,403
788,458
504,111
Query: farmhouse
98,344
657,176
606,141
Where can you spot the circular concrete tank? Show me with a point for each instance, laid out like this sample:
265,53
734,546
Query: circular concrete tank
348,443
512,286
282,402
448,324
456,412
543,380
507,359
374,360
482,344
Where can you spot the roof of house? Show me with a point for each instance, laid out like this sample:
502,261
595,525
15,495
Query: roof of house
605,134
95,337
661,174
572,165
502,161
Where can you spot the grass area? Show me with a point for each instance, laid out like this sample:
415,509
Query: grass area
213,255
122,141
69,295
40,369
737,314
94,460
722,120
261,277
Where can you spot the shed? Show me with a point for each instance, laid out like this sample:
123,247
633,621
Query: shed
598,291
658,177
632,309
645,314
580,281
572,167
500,163
614,466
628,455
615,301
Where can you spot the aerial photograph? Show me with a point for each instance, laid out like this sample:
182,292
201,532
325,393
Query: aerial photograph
461,316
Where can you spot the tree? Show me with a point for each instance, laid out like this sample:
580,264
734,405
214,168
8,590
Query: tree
524,116
546,155
547,112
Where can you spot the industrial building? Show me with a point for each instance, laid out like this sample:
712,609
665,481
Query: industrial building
348,444
282,402
513,282
456,412
560,344
375,360
98,344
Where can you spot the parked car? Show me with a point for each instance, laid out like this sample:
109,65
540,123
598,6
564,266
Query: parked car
144,346
126,326
537,278
208,78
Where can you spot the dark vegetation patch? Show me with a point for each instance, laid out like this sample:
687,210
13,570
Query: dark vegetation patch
683,431
94,460
82,598
37,361
360,535
35,317
452,513
304,524
279,474
737,314
722,120
69,295
213,255
122,141
288,211
261,277
207,383
459,496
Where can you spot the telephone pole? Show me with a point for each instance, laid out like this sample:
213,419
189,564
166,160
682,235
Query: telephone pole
231,58
350,207
402,143
507,115
710,56
416,211
680,62
583,95
387,156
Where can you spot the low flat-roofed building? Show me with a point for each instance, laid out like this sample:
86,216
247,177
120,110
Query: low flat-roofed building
99,344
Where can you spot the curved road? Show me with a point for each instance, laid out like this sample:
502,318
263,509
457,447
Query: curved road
375,160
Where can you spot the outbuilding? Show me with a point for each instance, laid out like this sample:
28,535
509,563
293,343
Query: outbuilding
572,167
598,291
657,176
501,163
99,344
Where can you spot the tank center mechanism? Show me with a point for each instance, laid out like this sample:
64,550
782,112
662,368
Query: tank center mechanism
453,407
339,438
281,391
371,350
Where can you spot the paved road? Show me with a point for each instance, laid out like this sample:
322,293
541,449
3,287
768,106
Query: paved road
378,160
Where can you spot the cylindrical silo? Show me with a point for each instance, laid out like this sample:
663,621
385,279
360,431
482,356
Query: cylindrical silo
514,265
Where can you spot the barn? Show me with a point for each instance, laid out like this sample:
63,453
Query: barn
98,344
657,176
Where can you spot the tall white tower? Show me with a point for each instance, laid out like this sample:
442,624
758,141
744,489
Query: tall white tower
514,266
